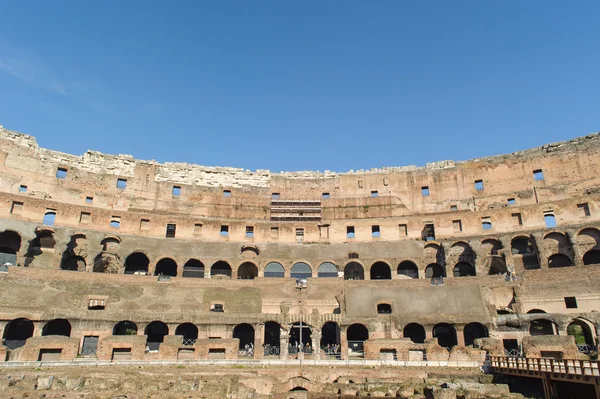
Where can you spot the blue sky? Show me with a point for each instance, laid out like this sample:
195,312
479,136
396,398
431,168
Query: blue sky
304,85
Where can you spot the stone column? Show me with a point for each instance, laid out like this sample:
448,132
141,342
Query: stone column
460,334
316,344
448,266
343,344
577,253
259,335
283,345
542,255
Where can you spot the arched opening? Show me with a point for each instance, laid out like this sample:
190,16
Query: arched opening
136,263
591,257
415,332
301,270
125,327
434,270
534,311
582,333
445,334
220,269
541,327
559,260
16,332
247,271
327,269
106,262
295,341
525,247
245,333
473,331
330,338
74,263
166,267
272,338
408,269
356,334
463,269
57,327
384,308
381,271
497,264
189,332
274,269
10,244
193,268
354,271
155,333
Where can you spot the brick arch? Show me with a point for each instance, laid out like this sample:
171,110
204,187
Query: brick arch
152,265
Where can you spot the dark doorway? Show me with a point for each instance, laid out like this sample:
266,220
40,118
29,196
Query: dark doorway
57,327
415,332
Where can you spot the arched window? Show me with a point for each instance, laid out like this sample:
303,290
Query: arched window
166,267
541,327
591,257
408,269
301,270
582,333
245,333
189,332
327,269
274,269
16,332
356,335
354,271
136,263
10,244
73,263
381,271
330,337
155,332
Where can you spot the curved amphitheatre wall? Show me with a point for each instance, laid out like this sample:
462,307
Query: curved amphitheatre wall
437,218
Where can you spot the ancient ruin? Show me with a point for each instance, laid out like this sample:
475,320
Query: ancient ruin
115,259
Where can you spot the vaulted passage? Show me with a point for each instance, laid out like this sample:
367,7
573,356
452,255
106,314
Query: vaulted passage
408,269
446,335
354,271
193,268
271,338
73,263
155,333
188,330
247,271
415,332
473,331
220,269
542,327
125,327
166,267
16,332
330,335
136,263
591,257
381,271
245,333
463,269
434,270
559,260
57,327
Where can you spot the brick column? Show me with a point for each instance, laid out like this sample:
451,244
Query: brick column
259,334
460,334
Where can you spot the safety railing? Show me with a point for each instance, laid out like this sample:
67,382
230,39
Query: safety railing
512,353
545,365
14,343
586,349
189,342
271,350
89,351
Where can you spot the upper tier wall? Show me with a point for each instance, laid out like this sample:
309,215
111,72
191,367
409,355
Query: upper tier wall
571,169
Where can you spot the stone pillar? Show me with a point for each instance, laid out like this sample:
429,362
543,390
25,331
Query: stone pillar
428,332
343,344
316,344
542,255
206,272
460,334
283,344
37,328
259,335
448,266
577,253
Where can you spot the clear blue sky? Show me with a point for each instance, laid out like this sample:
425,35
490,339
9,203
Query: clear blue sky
296,85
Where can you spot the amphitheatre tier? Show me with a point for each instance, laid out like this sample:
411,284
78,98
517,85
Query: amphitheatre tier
114,258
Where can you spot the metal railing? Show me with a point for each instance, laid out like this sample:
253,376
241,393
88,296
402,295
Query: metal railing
14,343
512,353
545,365
586,349
189,342
88,352
271,350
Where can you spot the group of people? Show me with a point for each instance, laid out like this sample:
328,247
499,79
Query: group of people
248,350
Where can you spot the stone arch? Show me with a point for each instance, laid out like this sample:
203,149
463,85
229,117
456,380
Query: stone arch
10,244
106,262
542,327
155,333
41,246
354,271
535,311
559,260
274,269
166,267
247,271
415,332
137,263
434,270
189,331
16,332
408,269
272,337
220,269
300,382
526,248
461,251
446,335
493,258
327,269
463,269
193,268
301,270
330,335
294,335
125,327
433,252
380,271
245,333
356,335
473,331
57,327
582,332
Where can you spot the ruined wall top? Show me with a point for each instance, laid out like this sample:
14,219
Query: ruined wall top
185,173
